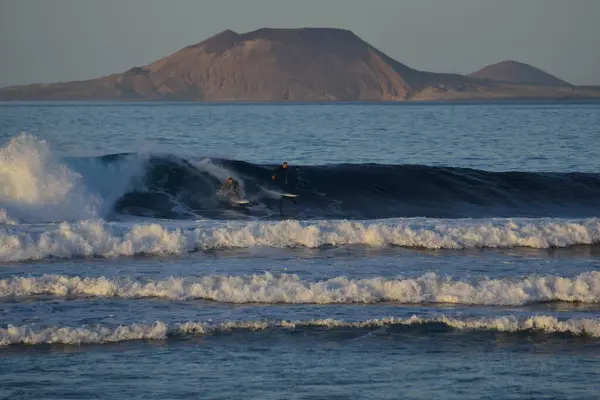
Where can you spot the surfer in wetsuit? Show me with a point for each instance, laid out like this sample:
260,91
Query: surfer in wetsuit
282,169
230,186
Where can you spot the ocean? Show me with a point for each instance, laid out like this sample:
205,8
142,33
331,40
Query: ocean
435,250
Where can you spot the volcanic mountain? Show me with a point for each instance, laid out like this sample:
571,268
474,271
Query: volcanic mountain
516,72
308,64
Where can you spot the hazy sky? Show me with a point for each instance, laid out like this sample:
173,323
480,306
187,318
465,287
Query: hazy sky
57,40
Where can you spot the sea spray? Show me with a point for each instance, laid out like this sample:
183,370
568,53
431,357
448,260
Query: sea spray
35,186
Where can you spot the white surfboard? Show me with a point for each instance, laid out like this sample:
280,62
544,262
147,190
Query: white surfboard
240,202
289,195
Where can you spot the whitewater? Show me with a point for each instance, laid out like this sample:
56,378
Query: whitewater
39,188
97,238
159,330
269,288
439,251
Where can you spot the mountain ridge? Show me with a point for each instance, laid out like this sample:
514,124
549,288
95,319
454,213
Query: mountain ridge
305,64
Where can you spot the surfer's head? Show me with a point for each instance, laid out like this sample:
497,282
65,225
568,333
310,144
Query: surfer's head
284,165
230,180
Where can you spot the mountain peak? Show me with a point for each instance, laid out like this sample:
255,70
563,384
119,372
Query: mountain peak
517,72
301,33
220,41
226,39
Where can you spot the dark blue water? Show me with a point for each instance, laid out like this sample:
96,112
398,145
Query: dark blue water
435,251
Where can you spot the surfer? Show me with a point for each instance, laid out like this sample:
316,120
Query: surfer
231,186
281,168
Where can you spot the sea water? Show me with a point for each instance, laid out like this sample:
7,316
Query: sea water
443,250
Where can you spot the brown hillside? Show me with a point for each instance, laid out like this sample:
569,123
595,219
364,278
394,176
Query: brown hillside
280,64
309,64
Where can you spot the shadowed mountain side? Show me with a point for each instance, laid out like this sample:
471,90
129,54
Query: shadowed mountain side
309,64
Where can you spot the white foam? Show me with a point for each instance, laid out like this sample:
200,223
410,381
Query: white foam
269,288
37,186
68,335
159,330
5,219
96,238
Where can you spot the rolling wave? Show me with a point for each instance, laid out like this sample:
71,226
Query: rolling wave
363,191
28,335
94,238
38,186
277,289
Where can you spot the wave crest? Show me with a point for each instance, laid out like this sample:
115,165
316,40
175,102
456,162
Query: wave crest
13,335
95,238
284,288
38,186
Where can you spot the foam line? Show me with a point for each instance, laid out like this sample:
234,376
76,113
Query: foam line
12,335
269,288
96,238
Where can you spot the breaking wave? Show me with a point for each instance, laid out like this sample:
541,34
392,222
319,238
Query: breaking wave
29,335
269,288
38,186
35,186
364,191
94,238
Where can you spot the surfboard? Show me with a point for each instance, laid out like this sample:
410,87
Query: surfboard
232,201
290,195
240,202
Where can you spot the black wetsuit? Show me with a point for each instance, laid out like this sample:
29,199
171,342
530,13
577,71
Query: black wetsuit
278,170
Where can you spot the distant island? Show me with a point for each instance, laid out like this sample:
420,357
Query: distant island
516,72
308,64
